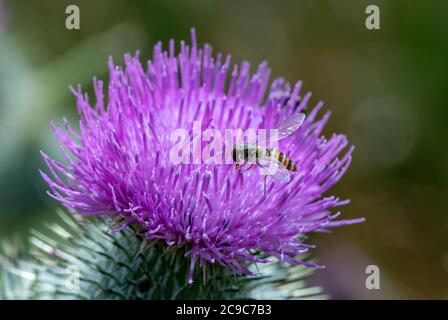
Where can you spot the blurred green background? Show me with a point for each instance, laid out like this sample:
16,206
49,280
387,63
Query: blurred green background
387,89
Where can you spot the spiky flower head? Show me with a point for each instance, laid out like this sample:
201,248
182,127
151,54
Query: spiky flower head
119,163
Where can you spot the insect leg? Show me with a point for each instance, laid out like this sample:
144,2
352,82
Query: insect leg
239,166
265,179
250,166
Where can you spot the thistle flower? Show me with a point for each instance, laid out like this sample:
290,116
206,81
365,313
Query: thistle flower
119,163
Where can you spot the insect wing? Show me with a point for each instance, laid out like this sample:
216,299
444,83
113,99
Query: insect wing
286,128
275,169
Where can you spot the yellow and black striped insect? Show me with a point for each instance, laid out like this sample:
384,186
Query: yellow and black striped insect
274,163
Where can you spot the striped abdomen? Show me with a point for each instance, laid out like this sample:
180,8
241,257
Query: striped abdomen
282,158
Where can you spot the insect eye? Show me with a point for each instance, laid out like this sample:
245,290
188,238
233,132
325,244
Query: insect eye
234,154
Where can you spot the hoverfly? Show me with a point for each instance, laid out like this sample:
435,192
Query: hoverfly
274,162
